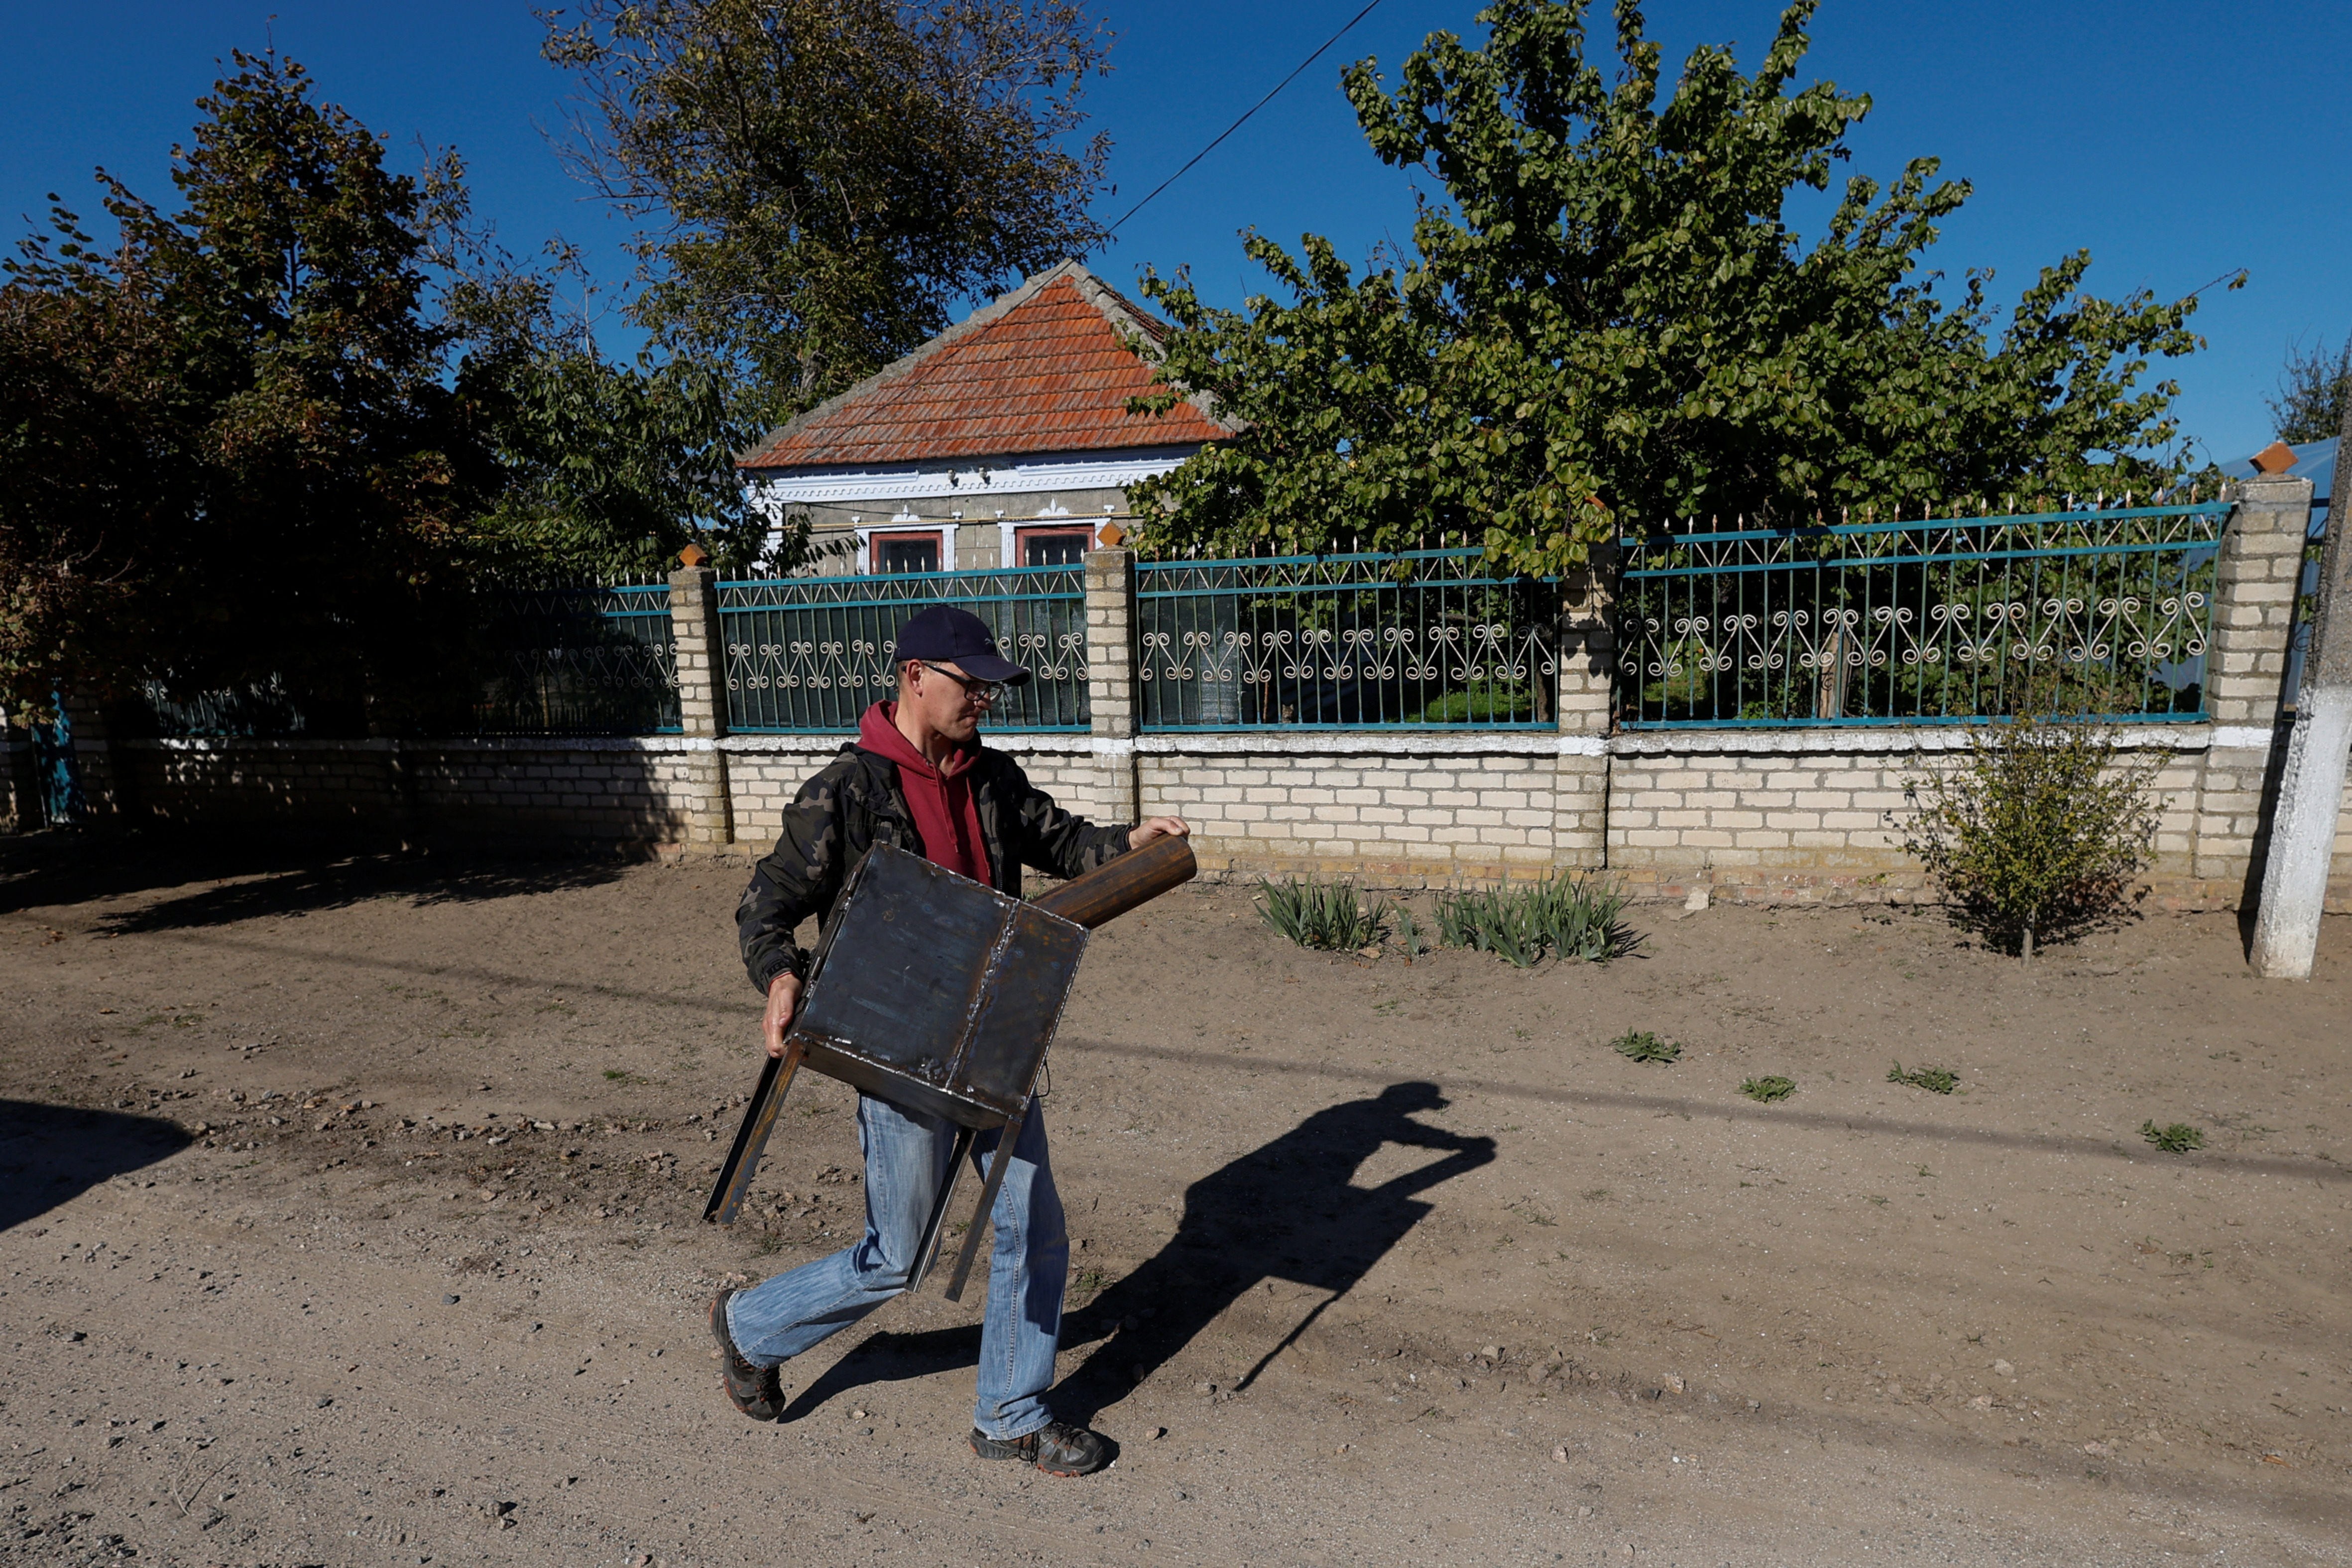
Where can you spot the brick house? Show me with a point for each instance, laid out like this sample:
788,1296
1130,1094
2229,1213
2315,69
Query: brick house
1004,441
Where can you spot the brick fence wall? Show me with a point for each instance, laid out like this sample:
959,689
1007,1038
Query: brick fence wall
1783,814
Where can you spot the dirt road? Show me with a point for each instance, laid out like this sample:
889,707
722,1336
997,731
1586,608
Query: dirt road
350,1217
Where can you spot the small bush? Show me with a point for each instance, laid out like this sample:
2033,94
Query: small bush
2178,1138
1935,1080
1574,918
1325,915
1641,1046
1488,701
2039,833
1767,1090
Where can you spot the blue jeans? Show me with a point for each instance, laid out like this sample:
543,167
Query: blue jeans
906,1159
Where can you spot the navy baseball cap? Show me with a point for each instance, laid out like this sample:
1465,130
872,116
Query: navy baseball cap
949,636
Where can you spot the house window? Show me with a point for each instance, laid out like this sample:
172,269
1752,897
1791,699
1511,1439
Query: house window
1054,546
906,551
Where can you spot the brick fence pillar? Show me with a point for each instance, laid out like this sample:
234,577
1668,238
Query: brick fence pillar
1112,697
701,701
2245,669
1588,658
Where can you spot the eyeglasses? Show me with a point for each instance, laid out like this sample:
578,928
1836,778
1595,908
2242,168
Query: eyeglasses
989,692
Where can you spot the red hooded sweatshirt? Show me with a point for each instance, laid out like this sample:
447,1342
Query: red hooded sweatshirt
945,814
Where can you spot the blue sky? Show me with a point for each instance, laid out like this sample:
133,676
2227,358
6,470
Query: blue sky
2177,140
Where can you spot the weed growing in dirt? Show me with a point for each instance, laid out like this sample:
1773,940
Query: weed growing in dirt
1324,915
2178,1138
1641,1046
626,1079
1571,918
1935,1080
2042,828
1409,933
1767,1090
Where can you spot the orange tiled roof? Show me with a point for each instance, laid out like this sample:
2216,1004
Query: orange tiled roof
1041,370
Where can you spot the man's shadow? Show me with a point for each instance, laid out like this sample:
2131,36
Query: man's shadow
1288,1210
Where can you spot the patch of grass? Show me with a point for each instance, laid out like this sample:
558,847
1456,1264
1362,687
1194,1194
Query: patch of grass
1641,1046
2178,1137
1935,1080
1327,916
1767,1089
625,1078
1575,917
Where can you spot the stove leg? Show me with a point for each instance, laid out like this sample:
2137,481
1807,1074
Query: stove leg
927,1251
1004,1143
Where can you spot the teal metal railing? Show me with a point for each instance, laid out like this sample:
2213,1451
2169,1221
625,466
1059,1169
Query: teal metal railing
2105,613
1423,639
807,655
577,662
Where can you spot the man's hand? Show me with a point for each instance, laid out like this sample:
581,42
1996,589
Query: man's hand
1157,827
784,1000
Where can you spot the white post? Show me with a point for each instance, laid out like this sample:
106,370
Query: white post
2311,785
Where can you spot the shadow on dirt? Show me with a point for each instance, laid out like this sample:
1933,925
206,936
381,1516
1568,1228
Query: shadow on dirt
887,1357
51,1154
1286,1211
1290,1210
238,878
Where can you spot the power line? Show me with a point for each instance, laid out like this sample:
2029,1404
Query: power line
1237,124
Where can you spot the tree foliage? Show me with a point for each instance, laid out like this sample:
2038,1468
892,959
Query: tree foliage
829,177
227,444
276,439
2313,391
1608,321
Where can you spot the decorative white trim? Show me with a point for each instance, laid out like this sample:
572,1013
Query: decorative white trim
1369,743
1890,739
945,528
1073,743
2242,737
770,490
222,744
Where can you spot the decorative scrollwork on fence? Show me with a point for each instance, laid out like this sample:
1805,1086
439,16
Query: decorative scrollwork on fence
2103,612
1362,641
587,661
810,654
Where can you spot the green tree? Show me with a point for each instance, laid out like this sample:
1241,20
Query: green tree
828,177
2313,390
228,449
1608,321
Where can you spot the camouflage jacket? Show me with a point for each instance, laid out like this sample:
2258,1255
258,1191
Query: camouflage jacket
855,803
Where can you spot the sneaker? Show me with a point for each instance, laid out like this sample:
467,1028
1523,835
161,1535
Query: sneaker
1057,1449
757,1391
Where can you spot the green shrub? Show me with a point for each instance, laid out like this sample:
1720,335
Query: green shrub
1571,918
1488,702
2039,833
1641,1046
1767,1090
2178,1138
1326,915
1935,1080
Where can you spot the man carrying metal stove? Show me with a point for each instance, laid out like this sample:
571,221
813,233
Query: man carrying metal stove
917,777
